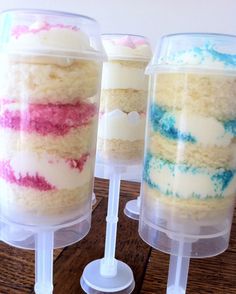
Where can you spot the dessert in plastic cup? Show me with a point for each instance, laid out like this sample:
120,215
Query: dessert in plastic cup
123,99
49,87
189,175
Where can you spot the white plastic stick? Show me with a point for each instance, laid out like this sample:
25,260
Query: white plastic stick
109,264
44,262
178,272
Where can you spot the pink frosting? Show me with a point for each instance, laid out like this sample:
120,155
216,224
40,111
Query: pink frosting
19,30
55,119
78,163
130,41
36,181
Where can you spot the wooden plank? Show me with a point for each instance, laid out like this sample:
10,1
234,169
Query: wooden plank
130,249
215,275
17,269
101,187
130,189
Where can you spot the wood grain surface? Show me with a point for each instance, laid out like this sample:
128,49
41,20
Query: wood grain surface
212,275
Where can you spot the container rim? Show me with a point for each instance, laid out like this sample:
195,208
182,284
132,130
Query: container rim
123,34
198,34
48,12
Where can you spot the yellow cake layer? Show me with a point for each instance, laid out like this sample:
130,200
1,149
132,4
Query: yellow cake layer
186,209
126,100
36,82
192,154
65,204
205,94
76,142
116,149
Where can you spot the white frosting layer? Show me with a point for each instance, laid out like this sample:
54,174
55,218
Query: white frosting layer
206,130
186,184
115,50
212,55
119,76
193,59
56,171
121,126
55,38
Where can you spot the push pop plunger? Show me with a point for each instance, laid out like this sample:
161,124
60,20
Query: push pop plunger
50,79
189,179
109,275
120,148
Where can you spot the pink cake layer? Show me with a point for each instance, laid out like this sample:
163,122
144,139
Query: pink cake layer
37,181
56,119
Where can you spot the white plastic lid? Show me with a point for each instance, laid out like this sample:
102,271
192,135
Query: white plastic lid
50,33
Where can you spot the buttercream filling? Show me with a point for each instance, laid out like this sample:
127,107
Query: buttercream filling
119,125
119,76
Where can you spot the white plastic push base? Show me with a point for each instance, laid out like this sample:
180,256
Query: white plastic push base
132,209
92,282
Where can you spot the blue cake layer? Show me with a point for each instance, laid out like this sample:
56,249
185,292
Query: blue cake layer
218,182
164,122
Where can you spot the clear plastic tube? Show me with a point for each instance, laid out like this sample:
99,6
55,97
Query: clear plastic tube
49,100
189,179
48,128
123,100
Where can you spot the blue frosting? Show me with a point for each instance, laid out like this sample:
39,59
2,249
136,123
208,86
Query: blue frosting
164,122
146,172
202,54
220,177
230,126
228,60
146,167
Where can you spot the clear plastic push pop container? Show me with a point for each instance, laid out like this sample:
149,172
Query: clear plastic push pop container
123,99
120,146
189,179
50,78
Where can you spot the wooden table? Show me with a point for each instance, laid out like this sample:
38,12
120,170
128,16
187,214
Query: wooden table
213,275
